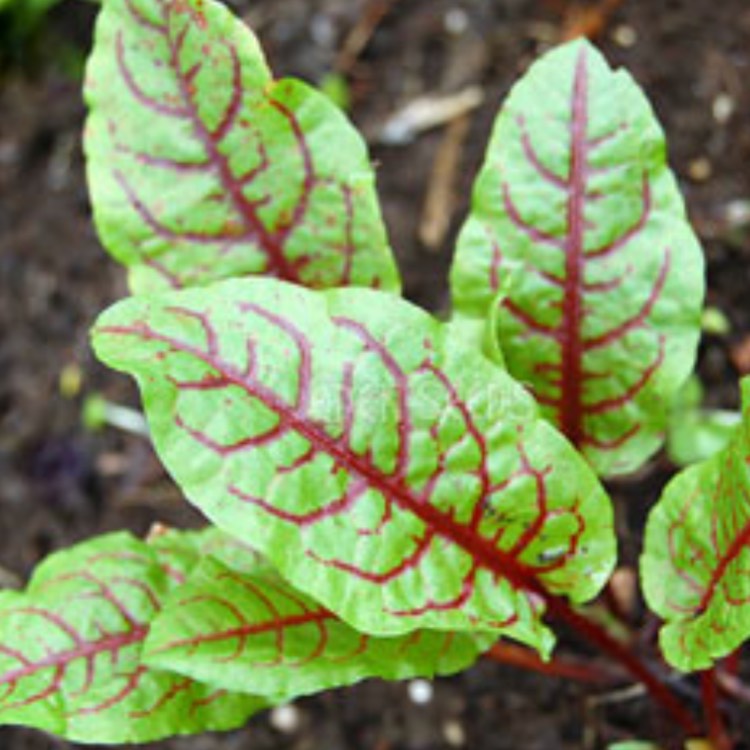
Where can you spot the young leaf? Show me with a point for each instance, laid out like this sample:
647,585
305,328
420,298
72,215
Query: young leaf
695,433
252,632
697,554
70,652
202,167
381,463
578,233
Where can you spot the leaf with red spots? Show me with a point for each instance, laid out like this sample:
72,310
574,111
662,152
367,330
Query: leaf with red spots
203,167
697,555
378,460
578,235
252,632
71,647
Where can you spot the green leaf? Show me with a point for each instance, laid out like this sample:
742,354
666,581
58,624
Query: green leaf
30,11
203,167
190,547
695,433
382,464
578,235
715,322
696,557
71,645
252,632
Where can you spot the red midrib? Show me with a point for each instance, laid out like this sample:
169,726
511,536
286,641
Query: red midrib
572,310
112,643
741,541
481,550
243,631
271,244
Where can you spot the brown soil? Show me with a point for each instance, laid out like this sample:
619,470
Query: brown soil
61,484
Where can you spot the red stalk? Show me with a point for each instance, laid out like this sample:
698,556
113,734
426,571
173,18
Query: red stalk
596,635
718,733
519,656
732,662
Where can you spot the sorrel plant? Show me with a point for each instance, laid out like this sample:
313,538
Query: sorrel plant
388,494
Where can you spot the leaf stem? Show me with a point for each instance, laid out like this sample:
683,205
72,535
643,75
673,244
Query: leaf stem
718,733
597,635
525,658
731,663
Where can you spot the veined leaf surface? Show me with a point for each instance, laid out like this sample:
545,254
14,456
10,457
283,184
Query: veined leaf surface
202,167
697,554
380,462
578,233
192,546
71,645
252,632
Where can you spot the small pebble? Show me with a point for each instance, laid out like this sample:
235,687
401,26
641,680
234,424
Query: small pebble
723,108
542,32
624,36
456,21
454,733
737,212
70,380
700,169
323,31
10,153
420,692
285,719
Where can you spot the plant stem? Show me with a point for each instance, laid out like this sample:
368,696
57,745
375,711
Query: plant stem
597,635
731,663
525,658
719,737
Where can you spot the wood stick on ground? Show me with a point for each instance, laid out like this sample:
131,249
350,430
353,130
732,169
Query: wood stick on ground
361,33
440,202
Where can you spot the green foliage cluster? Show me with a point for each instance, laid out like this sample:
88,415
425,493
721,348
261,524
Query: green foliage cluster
388,493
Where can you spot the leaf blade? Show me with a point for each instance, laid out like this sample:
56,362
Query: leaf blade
70,651
697,541
350,422
252,632
236,173
578,235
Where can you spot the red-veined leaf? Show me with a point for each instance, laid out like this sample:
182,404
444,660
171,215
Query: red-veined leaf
190,547
252,632
202,167
697,555
380,462
578,233
71,646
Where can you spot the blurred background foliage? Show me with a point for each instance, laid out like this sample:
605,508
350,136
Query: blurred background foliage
26,39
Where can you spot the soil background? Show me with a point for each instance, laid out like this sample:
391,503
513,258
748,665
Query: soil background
61,483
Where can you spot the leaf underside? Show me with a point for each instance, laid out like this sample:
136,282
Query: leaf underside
377,460
697,555
71,647
250,631
202,167
578,235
